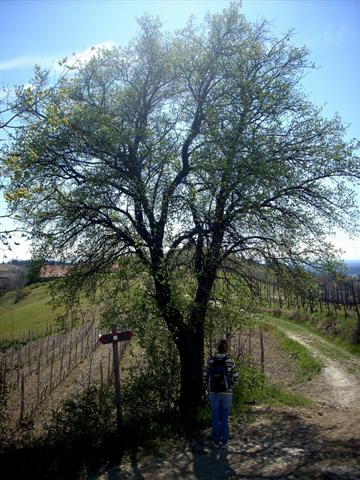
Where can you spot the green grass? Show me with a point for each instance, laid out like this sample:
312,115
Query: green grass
275,395
32,312
308,366
345,327
263,392
254,389
339,329
313,325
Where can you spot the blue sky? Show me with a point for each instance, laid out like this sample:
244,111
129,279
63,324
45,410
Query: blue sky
44,31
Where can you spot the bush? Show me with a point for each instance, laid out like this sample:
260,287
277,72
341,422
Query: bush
253,388
6,344
85,418
20,294
151,392
249,386
329,325
296,316
81,435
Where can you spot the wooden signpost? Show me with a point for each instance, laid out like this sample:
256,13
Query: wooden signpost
115,337
121,336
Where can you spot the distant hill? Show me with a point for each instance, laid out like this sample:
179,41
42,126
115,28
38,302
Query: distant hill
353,267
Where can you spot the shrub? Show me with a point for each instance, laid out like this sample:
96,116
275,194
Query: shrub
296,316
249,386
80,436
151,392
329,325
20,294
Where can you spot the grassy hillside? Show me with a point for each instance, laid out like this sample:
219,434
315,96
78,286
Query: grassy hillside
32,312
12,277
8,270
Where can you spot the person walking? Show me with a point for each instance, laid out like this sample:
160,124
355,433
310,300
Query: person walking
220,375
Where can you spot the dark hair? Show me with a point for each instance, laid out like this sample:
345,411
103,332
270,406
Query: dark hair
223,346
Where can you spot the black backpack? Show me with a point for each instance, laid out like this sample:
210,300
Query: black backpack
219,378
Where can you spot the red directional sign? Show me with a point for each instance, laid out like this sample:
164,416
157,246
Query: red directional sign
115,337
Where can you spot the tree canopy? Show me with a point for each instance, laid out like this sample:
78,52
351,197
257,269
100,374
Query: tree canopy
198,145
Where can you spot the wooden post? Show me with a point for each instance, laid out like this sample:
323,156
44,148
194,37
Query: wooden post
96,336
70,347
76,348
262,355
12,359
87,348
3,386
357,310
90,369
59,344
108,367
38,378
101,374
62,364
116,359
19,362
250,345
29,357
22,404
82,345
47,348
52,370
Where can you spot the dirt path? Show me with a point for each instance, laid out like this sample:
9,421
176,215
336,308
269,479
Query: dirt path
320,442
271,443
338,384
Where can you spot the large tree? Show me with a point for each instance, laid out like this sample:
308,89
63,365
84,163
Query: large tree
199,144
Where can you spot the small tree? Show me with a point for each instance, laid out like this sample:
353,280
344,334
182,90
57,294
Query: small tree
33,269
184,150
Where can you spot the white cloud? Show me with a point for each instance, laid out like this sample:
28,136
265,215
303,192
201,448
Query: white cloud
92,51
28,61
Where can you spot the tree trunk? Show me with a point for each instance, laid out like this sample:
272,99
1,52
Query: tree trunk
188,336
190,345
191,350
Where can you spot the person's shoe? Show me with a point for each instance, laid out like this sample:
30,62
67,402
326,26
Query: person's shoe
215,445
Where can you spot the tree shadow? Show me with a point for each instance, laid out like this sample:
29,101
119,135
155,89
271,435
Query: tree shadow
115,471
276,446
285,446
210,463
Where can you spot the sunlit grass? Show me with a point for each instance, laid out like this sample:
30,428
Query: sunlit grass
32,312
275,395
340,342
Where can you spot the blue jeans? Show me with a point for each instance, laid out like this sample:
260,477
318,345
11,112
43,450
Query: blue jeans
220,411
